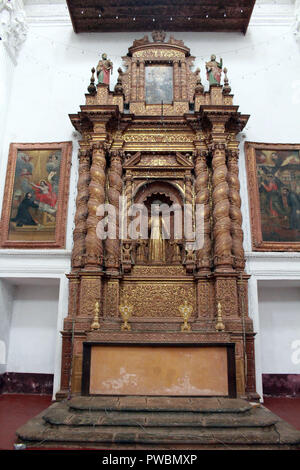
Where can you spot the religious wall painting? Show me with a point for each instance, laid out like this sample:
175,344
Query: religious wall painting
159,84
36,195
274,195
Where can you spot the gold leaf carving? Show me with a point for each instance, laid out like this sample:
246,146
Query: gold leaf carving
157,299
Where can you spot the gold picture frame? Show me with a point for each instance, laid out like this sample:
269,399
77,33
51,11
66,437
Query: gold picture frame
35,197
273,173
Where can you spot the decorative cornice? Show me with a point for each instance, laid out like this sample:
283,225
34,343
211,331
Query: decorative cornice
13,26
48,15
266,14
296,26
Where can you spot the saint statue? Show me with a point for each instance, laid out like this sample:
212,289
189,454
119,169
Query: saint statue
104,67
157,243
214,70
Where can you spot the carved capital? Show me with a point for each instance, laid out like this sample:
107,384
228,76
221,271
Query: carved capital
13,26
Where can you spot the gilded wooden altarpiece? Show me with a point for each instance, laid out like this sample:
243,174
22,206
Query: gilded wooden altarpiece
180,152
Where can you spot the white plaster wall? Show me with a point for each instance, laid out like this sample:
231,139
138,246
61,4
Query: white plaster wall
6,302
6,76
279,311
33,328
50,80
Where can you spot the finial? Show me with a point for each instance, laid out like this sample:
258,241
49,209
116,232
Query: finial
220,325
125,311
96,325
91,88
199,88
119,87
186,311
158,36
226,88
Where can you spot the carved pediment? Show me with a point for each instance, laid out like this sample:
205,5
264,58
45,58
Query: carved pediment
158,160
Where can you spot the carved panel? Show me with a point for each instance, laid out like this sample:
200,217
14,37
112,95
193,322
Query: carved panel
90,292
111,296
158,271
205,299
158,299
226,294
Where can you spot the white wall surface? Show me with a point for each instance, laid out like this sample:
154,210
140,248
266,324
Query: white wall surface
6,303
33,328
279,309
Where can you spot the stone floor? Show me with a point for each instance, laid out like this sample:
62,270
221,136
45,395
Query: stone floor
158,423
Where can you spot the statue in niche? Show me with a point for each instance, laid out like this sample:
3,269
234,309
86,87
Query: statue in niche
141,251
158,236
214,70
176,255
104,69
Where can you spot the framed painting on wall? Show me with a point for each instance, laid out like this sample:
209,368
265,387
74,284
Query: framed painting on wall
35,196
273,172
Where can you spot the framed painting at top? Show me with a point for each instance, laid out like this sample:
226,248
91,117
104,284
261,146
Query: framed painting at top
36,195
273,172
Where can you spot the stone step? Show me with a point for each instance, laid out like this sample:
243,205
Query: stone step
142,403
36,433
61,414
158,423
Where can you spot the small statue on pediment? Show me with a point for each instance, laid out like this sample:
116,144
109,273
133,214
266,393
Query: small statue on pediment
141,42
175,42
214,70
158,36
104,69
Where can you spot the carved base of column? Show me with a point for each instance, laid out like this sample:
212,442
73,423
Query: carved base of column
90,292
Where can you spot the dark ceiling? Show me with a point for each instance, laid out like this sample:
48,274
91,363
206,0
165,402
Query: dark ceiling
167,15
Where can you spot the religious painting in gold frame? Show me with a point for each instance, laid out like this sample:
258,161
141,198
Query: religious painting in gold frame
273,172
36,195
159,83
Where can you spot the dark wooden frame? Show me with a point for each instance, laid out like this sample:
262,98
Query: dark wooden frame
258,244
63,193
86,362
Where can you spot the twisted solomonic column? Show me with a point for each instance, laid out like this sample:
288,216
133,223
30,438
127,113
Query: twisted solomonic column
112,246
79,232
94,246
202,196
235,210
128,197
188,188
221,210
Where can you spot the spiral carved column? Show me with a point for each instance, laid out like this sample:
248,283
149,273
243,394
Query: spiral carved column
112,246
79,232
94,246
235,210
188,188
221,210
128,197
203,255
